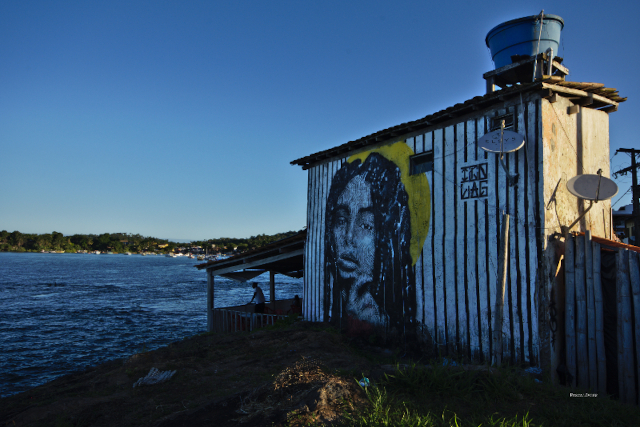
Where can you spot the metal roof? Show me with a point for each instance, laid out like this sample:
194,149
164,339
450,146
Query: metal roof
593,95
284,256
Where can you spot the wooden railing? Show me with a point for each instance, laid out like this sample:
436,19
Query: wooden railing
242,318
236,321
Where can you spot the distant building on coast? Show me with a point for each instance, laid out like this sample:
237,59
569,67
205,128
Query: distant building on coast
623,224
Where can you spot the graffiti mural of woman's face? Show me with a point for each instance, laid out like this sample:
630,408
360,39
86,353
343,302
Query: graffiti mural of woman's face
355,239
369,274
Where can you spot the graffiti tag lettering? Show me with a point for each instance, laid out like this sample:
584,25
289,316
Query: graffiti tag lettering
474,181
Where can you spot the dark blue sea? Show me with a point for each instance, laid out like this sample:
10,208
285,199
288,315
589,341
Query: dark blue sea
63,312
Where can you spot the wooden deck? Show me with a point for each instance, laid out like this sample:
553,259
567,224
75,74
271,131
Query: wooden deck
242,318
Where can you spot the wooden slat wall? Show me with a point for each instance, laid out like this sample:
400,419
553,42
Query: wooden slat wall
626,368
585,348
456,272
634,280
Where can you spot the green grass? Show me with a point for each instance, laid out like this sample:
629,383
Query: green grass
443,396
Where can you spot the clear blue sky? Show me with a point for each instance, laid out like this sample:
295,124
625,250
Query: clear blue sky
178,119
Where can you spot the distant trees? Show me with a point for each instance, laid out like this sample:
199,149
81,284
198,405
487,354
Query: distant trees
227,244
123,242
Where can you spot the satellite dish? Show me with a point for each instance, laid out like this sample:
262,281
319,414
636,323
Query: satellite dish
502,141
592,187
511,141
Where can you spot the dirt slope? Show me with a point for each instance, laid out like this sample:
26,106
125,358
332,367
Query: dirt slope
292,375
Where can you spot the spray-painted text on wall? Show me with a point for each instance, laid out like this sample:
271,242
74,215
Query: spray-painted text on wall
473,183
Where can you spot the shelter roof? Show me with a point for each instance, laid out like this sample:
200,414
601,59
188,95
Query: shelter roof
592,95
611,244
284,256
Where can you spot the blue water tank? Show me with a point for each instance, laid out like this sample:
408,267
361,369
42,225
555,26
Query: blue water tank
520,37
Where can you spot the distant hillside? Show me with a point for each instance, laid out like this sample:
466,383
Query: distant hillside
124,242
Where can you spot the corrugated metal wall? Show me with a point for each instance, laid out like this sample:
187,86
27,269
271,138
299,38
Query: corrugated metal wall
456,273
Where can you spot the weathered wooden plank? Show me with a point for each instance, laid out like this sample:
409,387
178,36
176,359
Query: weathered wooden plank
309,278
634,279
471,253
504,193
482,241
591,314
420,144
413,142
599,310
521,223
581,316
318,243
327,179
569,91
570,306
438,232
450,191
625,345
544,284
460,234
312,243
532,214
620,349
427,257
503,261
492,217
514,262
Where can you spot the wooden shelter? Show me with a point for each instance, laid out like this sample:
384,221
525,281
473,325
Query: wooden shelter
403,225
283,257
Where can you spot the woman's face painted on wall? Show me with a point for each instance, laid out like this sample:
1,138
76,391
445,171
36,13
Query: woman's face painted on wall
354,235
355,230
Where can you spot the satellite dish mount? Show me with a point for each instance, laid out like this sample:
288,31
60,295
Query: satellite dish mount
500,142
594,188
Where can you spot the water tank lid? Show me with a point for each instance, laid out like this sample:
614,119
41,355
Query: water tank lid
526,18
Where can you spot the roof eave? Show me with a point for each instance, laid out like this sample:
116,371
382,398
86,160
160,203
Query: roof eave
591,94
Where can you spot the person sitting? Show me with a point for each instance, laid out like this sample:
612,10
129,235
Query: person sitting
296,307
259,297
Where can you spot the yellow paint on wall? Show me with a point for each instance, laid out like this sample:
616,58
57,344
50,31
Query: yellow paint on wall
416,186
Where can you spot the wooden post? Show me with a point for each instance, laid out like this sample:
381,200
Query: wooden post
599,306
581,315
625,331
591,314
272,289
502,278
570,306
634,276
210,301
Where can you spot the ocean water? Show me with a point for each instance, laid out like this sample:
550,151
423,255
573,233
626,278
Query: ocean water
63,312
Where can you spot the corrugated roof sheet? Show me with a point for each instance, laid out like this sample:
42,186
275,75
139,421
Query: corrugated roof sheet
598,96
